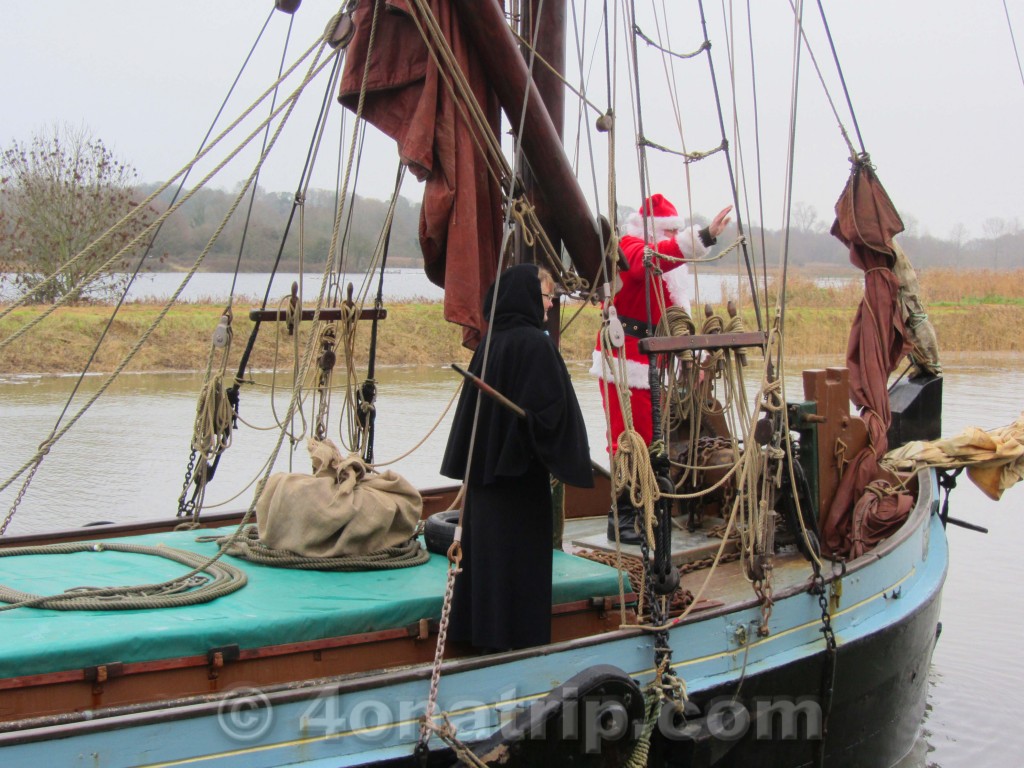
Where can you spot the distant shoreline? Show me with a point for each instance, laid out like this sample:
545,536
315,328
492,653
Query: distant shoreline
414,333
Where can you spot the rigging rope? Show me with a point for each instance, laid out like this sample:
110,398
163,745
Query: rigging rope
704,46
826,91
44,447
145,204
149,246
1013,40
839,70
580,93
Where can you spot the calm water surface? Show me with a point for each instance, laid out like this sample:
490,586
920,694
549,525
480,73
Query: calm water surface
126,458
403,284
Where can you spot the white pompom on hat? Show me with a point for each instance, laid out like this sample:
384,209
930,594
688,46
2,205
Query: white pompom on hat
661,215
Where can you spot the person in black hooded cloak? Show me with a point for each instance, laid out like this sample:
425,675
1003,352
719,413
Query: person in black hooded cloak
502,598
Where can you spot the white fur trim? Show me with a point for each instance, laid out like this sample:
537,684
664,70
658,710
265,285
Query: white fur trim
637,374
677,281
656,226
690,244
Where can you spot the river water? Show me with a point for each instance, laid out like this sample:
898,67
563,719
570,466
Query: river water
399,284
125,459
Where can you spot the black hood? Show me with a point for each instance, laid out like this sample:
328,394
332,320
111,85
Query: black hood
519,299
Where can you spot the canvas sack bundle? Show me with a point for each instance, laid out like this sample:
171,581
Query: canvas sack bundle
343,509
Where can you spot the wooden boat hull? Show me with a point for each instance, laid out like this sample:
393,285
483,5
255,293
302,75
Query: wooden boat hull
884,611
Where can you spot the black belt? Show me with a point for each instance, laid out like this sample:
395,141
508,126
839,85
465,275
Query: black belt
635,328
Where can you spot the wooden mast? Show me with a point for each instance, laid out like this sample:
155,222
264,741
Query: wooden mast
544,24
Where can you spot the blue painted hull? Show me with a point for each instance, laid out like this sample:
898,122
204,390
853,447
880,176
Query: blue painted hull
885,620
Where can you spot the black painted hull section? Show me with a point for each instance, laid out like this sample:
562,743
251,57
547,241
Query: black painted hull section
877,708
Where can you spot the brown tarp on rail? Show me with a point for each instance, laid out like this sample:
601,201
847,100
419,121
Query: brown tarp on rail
407,99
866,222
994,459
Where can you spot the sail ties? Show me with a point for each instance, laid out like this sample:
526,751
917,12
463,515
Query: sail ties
705,46
688,157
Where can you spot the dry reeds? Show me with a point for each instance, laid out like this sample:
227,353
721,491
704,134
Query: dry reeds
972,286
972,310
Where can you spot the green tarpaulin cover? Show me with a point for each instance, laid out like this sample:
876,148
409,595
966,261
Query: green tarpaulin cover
277,606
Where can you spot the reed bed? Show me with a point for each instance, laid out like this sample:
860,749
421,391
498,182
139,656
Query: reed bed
972,311
975,286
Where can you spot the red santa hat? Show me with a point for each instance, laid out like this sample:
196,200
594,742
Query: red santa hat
660,214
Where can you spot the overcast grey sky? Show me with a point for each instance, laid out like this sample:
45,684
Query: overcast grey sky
934,82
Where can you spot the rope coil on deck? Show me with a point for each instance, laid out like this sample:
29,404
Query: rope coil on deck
219,579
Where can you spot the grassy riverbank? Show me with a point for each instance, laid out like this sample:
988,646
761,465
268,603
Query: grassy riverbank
976,311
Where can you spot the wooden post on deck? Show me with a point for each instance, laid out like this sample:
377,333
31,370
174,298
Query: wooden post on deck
840,434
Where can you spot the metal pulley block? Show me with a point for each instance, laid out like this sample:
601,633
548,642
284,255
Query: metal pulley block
340,29
616,335
222,333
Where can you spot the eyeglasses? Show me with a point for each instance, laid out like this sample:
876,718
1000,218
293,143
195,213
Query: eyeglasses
549,296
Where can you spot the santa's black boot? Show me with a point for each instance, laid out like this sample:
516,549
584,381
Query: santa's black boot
628,516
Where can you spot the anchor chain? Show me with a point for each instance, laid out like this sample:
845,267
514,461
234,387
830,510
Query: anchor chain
216,418
828,673
186,506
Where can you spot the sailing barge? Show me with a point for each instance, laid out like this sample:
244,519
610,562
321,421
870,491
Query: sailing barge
823,662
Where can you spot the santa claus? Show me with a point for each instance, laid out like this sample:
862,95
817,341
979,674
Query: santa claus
672,242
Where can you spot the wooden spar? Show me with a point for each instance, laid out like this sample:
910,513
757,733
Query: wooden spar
327,314
545,25
484,23
490,391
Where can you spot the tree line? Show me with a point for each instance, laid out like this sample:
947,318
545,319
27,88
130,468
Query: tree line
810,244
61,191
267,224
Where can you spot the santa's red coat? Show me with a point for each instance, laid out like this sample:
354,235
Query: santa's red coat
630,301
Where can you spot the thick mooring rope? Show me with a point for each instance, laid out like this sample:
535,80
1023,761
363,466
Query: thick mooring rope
191,589
247,546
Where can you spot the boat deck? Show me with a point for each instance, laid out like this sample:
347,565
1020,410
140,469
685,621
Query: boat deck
726,585
286,626
276,606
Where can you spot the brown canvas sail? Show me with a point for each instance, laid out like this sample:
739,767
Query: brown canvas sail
866,222
407,99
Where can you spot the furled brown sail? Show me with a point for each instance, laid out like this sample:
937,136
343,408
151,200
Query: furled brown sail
866,222
407,99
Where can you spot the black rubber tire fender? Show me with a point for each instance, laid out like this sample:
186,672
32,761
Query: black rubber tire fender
439,531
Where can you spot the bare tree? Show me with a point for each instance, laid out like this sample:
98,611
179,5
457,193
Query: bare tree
994,227
58,194
910,224
805,217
